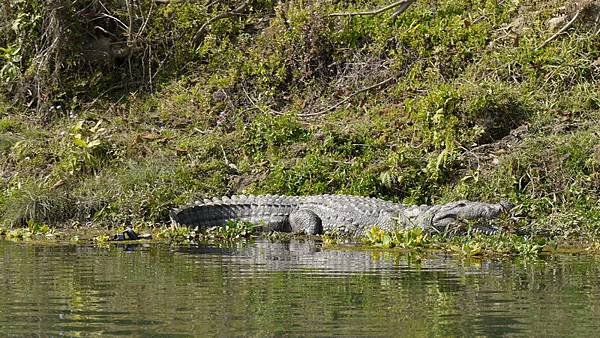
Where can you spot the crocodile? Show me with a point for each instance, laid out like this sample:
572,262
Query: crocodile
345,214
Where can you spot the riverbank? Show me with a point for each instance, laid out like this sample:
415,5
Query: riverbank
410,242
115,126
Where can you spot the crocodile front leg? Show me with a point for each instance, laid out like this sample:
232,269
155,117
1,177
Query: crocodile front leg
305,221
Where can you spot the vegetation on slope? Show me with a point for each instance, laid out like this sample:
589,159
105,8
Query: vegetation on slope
112,112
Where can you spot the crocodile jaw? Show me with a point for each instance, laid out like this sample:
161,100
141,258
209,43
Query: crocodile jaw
444,216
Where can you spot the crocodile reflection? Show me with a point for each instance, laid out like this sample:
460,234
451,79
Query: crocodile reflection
309,254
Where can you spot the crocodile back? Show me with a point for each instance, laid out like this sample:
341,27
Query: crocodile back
272,211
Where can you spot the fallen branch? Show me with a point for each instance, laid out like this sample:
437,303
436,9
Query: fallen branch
562,30
346,99
401,9
255,104
403,6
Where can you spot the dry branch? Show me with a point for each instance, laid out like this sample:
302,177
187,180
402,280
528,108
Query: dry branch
562,30
255,104
401,9
347,98
129,5
403,6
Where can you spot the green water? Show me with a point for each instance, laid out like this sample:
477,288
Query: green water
266,289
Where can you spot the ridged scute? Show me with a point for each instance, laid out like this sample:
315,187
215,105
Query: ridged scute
354,214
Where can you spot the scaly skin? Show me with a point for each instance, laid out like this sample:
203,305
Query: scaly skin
352,215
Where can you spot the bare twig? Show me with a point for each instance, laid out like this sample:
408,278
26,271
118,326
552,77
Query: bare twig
115,87
401,9
403,3
129,5
162,62
347,98
562,30
130,38
124,26
148,49
253,102
141,30
150,77
100,28
220,16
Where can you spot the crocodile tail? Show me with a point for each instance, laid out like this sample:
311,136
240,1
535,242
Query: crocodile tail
205,215
270,211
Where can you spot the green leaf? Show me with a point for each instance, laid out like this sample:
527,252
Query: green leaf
79,142
386,242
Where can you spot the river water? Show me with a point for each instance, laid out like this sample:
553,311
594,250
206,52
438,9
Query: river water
296,288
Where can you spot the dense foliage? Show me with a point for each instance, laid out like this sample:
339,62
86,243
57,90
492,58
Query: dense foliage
114,111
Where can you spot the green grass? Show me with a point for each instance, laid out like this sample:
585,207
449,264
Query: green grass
476,110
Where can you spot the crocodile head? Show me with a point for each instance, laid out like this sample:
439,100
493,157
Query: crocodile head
447,215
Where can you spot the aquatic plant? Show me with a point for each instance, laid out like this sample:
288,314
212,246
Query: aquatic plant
499,245
231,231
502,244
34,230
410,238
174,233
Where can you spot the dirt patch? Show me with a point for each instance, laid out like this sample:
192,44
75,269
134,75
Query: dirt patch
487,155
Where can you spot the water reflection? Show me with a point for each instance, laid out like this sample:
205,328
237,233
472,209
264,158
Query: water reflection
294,288
308,256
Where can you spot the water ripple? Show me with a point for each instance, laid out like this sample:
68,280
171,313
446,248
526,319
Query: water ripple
293,288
